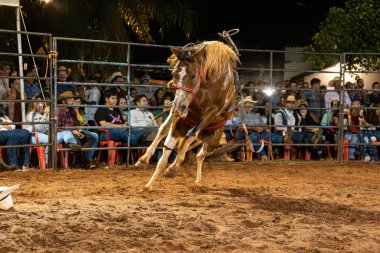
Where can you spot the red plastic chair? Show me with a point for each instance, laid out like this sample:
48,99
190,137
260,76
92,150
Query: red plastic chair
41,153
112,153
64,157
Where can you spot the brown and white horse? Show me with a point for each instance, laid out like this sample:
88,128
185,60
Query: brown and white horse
205,76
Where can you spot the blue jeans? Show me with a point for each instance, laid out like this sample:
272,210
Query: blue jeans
365,137
256,137
354,139
16,137
64,136
122,135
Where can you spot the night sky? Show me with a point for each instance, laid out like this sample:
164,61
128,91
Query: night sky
264,24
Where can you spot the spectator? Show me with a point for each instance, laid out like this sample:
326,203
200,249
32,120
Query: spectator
84,122
146,89
333,93
118,78
111,117
67,117
92,96
352,132
9,135
38,114
31,87
124,110
14,108
158,98
368,134
63,74
314,97
374,97
5,71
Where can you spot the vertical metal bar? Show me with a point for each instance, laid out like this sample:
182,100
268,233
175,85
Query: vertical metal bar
342,63
53,102
128,102
270,103
20,61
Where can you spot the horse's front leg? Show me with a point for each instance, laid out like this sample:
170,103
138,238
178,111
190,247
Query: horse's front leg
162,132
170,144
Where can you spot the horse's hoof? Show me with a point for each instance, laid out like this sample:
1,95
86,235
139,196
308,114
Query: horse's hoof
147,188
141,164
170,173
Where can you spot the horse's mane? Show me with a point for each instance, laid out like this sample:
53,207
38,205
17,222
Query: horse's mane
217,56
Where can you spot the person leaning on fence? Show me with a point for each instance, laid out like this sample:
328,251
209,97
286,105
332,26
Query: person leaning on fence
68,118
11,136
112,117
38,114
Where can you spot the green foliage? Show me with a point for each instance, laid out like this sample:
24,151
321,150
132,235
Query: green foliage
352,29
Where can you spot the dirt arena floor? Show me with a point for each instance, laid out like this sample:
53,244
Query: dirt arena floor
240,207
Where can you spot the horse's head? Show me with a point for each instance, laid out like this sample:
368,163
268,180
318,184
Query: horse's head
187,75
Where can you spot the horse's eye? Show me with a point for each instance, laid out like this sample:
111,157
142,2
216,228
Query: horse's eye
192,77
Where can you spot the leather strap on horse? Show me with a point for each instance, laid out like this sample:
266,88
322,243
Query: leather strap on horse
196,88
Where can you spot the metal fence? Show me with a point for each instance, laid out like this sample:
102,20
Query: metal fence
265,65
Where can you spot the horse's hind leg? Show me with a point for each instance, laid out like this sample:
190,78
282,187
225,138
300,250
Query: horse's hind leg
180,157
170,144
162,132
210,143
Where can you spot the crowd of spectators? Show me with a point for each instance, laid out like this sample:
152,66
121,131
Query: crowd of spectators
298,113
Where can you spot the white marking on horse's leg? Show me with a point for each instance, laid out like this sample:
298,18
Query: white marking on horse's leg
162,132
200,158
170,142
181,154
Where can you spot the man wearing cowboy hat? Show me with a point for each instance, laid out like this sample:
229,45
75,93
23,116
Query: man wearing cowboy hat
68,118
256,127
62,76
118,78
286,119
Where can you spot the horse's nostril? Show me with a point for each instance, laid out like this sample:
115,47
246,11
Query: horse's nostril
182,108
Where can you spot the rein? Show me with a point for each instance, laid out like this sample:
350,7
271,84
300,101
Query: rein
196,88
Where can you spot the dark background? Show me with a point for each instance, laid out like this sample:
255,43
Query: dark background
265,24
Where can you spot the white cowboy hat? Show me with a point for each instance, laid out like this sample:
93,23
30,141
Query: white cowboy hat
248,99
6,201
114,75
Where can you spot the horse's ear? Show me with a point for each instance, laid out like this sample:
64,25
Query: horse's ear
176,51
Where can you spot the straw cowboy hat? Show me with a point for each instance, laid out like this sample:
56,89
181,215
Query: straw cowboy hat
6,201
114,75
248,99
66,94
291,98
